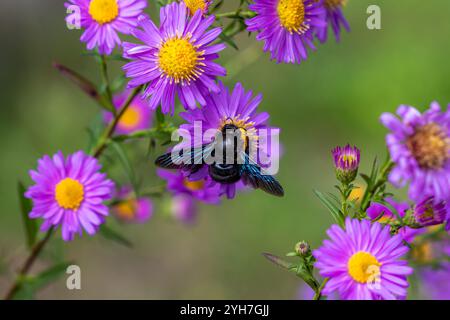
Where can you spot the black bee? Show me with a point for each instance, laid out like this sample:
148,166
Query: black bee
236,165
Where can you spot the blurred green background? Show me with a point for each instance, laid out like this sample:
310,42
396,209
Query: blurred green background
335,97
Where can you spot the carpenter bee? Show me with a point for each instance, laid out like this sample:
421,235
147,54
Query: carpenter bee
233,164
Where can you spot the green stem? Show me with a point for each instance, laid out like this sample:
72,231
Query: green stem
105,79
318,293
236,15
372,190
344,197
112,126
23,271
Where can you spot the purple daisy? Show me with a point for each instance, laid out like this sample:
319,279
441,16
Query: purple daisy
130,209
335,18
237,108
287,27
346,162
186,193
194,5
385,215
429,213
138,116
103,20
176,58
363,262
419,144
69,192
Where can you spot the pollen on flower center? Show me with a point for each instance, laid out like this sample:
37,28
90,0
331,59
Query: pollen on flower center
363,267
430,146
292,15
69,194
180,60
130,118
245,127
103,11
349,158
194,5
194,185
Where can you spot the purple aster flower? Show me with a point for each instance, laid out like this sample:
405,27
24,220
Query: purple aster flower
434,282
335,18
194,5
385,216
363,262
177,58
429,213
70,192
346,162
287,27
419,144
138,116
237,108
186,193
130,209
103,20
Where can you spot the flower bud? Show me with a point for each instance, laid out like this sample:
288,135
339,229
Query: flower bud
346,162
302,248
429,213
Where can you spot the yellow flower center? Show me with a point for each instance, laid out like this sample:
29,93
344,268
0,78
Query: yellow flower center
430,146
103,11
194,185
335,3
126,210
69,194
363,267
348,158
292,15
130,118
179,60
194,5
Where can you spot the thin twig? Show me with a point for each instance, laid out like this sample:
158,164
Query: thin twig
36,250
112,127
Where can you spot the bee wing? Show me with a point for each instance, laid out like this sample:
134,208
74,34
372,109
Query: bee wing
253,175
185,160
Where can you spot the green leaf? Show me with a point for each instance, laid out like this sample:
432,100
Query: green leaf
279,262
126,164
334,210
228,40
291,254
30,225
30,285
110,234
48,276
